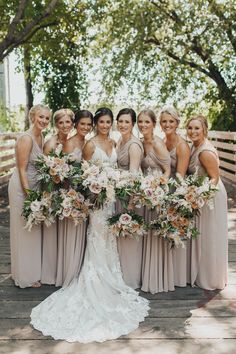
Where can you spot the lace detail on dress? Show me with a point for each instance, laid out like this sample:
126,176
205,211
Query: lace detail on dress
98,305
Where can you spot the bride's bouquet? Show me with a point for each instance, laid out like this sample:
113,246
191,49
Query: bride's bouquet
97,183
38,208
127,224
56,168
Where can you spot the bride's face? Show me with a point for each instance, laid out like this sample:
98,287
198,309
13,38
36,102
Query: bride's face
104,125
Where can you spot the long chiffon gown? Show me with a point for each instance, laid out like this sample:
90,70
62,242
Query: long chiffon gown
130,250
157,269
96,306
179,254
25,245
71,245
208,254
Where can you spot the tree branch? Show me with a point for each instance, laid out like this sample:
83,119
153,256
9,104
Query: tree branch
14,38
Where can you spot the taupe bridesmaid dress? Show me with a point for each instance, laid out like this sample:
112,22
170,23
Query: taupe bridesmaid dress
157,268
49,253
130,250
180,253
25,245
71,246
208,254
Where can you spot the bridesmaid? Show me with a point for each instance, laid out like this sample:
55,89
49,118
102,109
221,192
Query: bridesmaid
63,120
129,156
71,238
157,268
180,155
26,246
209,252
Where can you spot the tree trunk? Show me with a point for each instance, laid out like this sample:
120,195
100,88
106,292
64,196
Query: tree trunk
28,85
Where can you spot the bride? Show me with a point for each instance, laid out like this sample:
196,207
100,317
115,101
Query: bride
98,305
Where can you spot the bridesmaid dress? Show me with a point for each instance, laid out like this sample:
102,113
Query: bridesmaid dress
25,245
130,250
157,267
49,253
179,254
208,254
71,245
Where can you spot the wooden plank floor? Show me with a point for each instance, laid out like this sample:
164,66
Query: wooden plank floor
188,320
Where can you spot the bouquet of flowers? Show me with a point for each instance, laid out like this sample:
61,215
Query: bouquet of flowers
152,191
175,224
37,207
192,192
127,187
56,168
176,218
70,204
127,224
97,183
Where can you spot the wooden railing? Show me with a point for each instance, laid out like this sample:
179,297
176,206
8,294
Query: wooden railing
225,143
7,156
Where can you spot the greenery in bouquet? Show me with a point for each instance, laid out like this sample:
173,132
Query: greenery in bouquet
57,169
97,183
175,224
37,208
127,223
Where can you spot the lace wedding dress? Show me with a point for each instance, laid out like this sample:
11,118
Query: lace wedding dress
98,305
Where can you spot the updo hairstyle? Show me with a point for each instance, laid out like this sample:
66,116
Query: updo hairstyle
100,112
83,113
129,111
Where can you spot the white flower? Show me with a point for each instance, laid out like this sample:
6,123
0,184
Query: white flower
58,149
125,219
35,205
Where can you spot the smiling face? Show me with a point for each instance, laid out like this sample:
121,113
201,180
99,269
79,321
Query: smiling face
41,118
84,126
168,123
196,131
104,125
64,125
125,124
145,124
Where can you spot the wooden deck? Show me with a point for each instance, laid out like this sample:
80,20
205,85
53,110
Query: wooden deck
188,320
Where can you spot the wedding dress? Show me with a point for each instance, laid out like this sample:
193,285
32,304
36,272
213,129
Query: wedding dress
98,305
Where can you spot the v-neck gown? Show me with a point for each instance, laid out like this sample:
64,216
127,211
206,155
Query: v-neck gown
157,269
97,305
130,249
208,254
25,245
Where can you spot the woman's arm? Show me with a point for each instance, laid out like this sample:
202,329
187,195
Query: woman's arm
135,155
209,161
183,157
68,147
88,150
163,154
23,150
48,146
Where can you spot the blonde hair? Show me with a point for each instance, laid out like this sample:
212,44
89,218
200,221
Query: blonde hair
150,114
171,111
203,122
33,110
62,113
